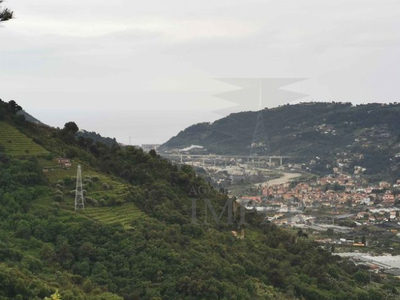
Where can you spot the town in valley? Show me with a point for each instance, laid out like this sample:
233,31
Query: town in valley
344,212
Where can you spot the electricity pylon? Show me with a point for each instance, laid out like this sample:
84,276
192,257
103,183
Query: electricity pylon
79,199
260,143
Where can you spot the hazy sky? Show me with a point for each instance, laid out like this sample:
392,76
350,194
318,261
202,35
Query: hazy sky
91,60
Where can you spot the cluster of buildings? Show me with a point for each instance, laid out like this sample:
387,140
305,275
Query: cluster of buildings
333,199
60,162
389,264
149,147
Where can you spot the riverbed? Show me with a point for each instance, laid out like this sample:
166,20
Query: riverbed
286,178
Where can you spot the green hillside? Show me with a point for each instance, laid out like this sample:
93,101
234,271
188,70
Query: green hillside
100,188
369,132
16,143
136,239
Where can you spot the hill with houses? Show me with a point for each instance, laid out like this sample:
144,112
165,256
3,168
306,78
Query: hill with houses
318,135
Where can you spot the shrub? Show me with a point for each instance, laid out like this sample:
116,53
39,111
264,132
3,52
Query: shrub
116,201
49,157
71,153
58,192
56,205
90,200
58,198
23,230
105,186
32,264
88,182
69,180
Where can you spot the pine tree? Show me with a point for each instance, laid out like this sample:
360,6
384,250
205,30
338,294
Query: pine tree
5,14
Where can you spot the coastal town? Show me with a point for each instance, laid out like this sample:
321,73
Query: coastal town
344,212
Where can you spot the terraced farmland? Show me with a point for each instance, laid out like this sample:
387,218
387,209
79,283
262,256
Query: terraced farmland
16,143
123,214
118,214
56,173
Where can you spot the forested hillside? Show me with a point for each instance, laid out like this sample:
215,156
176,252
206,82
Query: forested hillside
366,134
135,239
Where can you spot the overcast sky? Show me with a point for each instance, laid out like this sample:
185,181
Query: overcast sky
95,60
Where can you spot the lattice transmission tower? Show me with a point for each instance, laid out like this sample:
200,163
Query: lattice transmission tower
79,199
260,143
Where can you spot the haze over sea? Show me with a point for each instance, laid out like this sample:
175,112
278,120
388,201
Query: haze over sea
143,126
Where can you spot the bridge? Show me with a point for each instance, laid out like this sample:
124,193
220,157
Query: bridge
215,157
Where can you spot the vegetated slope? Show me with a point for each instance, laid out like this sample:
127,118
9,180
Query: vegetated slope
96,137
308,131
16,143
159,253
28,117
100,191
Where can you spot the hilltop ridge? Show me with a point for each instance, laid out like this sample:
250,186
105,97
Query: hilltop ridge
367,135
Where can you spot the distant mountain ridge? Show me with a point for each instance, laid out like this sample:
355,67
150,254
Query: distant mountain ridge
307,131
29,117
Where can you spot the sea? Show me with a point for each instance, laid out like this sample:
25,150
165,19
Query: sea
130,127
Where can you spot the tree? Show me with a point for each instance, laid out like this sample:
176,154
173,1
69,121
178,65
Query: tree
362,277
153,153
71,127
23,230
68,135
5,14
364,240
13,107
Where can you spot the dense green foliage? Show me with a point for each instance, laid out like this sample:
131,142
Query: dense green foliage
97,137
45,246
